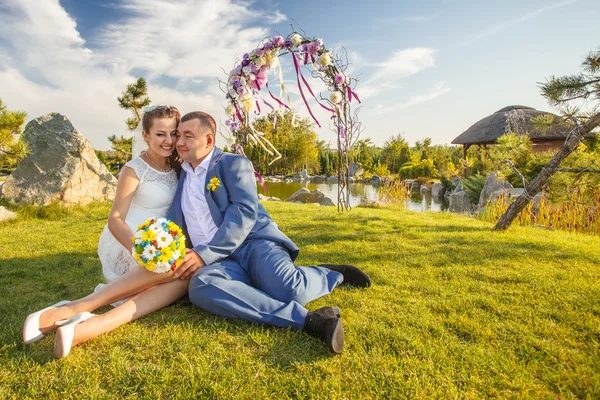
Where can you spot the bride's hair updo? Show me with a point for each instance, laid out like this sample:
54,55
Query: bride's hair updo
159,112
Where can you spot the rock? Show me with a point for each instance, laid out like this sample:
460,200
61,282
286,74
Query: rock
272,179
425,189
304,175
6,214
306,196
459,187
375,180
506,193
317,179
267,198
355,169
61,166
1,184
437,190
351,179
288,180
415,187
460,202
492,184
332,179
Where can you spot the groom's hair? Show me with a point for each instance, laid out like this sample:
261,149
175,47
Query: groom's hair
206,121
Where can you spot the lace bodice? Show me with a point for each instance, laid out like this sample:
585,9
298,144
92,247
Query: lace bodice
152,199
154,194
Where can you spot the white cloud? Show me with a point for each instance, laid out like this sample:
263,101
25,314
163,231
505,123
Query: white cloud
436,91
507,24
403,63
47,65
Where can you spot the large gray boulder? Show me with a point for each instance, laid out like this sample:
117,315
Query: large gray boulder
355,169
61,166
332,179
460,202
306,196
6,214
437,190
492,184
304,175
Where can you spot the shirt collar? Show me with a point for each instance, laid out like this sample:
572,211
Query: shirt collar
187,167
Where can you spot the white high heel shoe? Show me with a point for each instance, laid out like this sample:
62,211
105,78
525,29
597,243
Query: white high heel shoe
64,335
31,327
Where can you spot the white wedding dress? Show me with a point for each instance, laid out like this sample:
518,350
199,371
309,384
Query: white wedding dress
152,199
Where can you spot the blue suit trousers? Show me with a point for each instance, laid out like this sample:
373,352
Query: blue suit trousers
260,283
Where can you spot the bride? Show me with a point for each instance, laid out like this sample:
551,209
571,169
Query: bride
146,188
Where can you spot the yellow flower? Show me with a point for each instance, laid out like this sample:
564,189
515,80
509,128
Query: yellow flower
148,235
213,184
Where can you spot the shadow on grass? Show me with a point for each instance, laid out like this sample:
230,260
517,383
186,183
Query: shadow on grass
30,284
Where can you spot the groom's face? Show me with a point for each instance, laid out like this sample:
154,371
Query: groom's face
195,142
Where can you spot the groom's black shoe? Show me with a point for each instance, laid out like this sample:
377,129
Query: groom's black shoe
327,326
352,275
330,312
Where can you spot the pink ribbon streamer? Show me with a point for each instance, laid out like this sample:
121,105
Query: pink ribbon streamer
261,180
298,74
257,112
237,112
281,103
313,95
352,93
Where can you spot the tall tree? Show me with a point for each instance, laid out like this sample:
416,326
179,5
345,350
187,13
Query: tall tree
12,146
560,91
395,152
134,98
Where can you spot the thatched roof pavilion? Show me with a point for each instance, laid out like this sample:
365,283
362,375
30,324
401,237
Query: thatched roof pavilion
517,119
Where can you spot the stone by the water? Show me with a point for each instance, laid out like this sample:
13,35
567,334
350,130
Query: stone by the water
304,195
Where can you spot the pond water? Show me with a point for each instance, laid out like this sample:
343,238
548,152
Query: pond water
358,192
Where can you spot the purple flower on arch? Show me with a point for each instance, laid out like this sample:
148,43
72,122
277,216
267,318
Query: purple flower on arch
278,41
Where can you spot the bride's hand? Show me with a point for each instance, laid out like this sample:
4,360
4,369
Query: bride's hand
192,262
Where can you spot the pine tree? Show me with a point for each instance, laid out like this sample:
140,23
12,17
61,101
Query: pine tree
12,146
560,92
134,98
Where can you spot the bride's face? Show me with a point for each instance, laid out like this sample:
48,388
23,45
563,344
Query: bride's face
162,137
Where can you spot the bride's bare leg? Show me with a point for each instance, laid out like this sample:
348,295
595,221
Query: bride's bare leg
131,283
142,304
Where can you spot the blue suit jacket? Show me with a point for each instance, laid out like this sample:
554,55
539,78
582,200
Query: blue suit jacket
234,208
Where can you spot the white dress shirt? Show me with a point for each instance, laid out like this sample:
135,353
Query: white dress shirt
200,225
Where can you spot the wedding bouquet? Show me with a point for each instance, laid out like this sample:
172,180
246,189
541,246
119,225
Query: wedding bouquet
159,245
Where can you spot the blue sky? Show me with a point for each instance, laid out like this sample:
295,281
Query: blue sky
427,69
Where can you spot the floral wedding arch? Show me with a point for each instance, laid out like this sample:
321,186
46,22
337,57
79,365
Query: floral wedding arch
247,87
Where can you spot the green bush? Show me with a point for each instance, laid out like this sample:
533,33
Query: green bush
473,186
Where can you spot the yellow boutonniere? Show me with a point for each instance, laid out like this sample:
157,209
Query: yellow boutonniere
213,184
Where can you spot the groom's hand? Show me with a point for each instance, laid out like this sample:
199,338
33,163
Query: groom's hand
192,262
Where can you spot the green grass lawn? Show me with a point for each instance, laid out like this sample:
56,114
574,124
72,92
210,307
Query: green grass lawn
455,311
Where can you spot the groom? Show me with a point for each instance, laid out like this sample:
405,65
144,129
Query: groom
242,264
